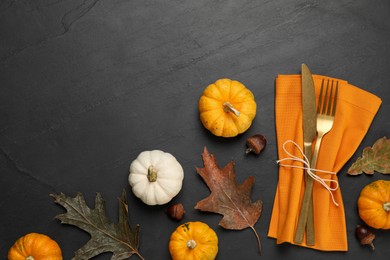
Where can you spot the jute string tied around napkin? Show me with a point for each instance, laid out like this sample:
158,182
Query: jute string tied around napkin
309,169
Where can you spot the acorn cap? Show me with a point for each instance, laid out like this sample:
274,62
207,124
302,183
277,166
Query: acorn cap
365,236
256,144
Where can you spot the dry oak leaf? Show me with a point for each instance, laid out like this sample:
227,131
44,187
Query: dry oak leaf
375,158
227,197
120,238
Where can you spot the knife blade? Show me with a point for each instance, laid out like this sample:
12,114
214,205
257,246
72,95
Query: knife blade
309,119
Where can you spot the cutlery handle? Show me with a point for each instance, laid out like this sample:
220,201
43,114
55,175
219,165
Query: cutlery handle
306,215
313,160
310,235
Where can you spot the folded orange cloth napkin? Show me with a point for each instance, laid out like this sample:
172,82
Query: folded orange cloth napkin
355,111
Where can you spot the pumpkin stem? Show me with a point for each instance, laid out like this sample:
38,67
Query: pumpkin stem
227,107
29,257
191,244
152,174
386,206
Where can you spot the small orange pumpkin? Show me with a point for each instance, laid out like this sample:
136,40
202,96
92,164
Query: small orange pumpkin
34,246
374,204
193,241
227,108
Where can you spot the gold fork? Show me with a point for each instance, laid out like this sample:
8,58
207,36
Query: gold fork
326,110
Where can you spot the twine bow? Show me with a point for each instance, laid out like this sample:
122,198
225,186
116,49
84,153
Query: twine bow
309,170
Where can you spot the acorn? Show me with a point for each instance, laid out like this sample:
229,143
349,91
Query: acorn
365,236
176,211
256,144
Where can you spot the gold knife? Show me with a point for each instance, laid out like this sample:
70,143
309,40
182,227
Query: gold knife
309,118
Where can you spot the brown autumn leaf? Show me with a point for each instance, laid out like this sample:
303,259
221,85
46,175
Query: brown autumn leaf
229,198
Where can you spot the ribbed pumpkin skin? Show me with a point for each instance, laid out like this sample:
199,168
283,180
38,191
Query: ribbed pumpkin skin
37,246
374,204
214,115
205,238
168,181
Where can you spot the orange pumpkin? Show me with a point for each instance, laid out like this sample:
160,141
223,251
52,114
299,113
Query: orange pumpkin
193,241
374,204
34,246
227,108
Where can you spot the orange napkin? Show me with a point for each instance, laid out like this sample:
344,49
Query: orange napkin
355,111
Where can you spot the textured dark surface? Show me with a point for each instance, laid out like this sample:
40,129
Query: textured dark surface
85,86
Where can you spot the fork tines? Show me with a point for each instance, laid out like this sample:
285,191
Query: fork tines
327,104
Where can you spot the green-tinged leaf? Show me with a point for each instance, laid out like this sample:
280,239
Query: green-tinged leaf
375,158
120,239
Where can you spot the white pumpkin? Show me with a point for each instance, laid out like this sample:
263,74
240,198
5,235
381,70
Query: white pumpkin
156,177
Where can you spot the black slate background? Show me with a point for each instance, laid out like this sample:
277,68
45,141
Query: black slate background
85,86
